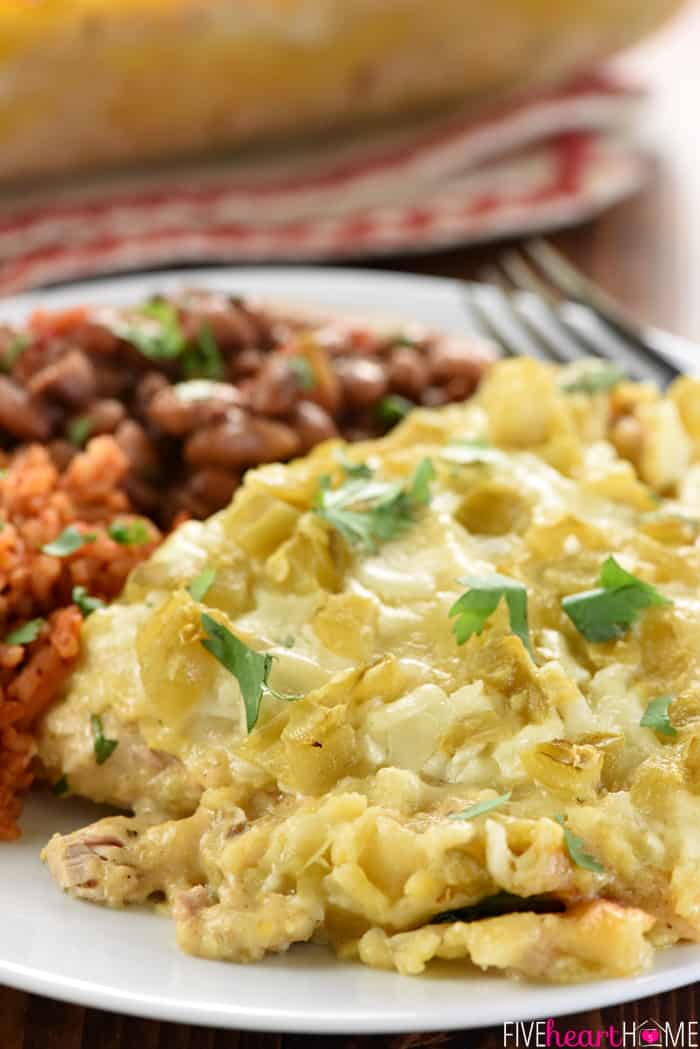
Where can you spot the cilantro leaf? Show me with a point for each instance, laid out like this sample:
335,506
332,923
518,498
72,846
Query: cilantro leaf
25,634
60,787
353,469
481,807
594,377
400,339
203,360
475,606
393,408
13,351
86,602
78,430
419,489
200,584
129,533
608,611
160,337
104,748
656,716
367,512
576,848
498,904
70,540
303,372
251,669
465,452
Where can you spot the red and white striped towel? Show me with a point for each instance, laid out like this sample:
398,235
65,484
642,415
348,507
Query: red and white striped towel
547,161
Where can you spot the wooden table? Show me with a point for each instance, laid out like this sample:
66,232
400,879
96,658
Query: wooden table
646,251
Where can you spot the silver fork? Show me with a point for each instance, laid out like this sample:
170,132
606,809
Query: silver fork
538,304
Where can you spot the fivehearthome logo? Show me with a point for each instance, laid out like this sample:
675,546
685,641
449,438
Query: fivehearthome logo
645,1034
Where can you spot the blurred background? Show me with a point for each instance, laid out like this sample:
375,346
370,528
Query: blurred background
150,133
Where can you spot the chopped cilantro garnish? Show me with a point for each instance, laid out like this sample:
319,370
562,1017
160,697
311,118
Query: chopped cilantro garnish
419,489
78,430
251,669
481,807
576,848
60,787
13,351
160,337
465,452
594,378
199,586
475,606
25,634
498,904
86,602
368,512
129,533
104,748
303,372
70,540
608,611
353,469
656,716
393,408
399,339
203,360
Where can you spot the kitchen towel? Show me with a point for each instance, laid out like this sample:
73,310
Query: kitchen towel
546,161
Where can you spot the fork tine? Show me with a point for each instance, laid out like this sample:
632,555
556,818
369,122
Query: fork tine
574,285
524,276
538,317
542,309
497,315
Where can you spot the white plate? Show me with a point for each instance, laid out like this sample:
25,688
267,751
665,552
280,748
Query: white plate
127,960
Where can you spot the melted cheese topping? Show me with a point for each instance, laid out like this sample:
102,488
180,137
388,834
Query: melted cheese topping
346,793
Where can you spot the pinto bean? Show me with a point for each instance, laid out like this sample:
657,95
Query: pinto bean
453,358
138,448
231,325
62,453
144,497
20,415
148,386
276,387
434,397
312,423
363,381
358,430
113,380
105,415
241,440
247,363
212,488
459,388
169,413
71,379
408,371
176,413
95,337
